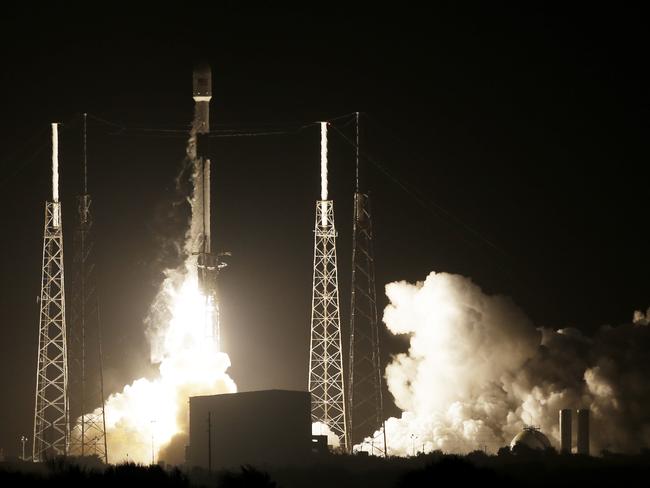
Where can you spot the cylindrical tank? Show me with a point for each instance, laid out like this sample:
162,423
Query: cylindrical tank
583,431
565,430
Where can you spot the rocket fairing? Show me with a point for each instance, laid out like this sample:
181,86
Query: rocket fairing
202,94
202,83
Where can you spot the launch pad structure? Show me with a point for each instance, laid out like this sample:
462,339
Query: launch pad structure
326,380
51,411
349,407
65,384
365,407
88,432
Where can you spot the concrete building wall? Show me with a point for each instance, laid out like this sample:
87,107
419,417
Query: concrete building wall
260,427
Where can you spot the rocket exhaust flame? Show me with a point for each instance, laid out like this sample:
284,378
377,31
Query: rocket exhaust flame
153,412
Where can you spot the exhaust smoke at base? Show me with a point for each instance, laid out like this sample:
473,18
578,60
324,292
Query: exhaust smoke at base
478,371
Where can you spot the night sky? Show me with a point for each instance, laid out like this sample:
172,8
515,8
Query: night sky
515,141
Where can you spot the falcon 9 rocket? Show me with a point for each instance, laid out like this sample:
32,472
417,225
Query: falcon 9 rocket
208,264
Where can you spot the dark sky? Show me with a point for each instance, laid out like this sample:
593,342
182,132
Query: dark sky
523,134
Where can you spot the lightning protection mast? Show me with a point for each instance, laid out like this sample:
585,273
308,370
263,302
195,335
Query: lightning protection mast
365,411
88,434
51,415
325,360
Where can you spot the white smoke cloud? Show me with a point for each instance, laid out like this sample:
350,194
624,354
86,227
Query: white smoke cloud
148,414
641,318
477,370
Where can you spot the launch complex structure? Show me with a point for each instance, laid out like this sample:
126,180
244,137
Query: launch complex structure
349,406
51,412
326,383
360,415
56,431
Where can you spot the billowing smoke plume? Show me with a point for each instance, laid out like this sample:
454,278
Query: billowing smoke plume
149,417
477,370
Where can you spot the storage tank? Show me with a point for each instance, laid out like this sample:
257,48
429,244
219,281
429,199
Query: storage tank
583,431
531,438
565,431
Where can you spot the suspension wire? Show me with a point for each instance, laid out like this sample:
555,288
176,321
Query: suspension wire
85,156
108,122
356,150
268,130
30,142
259,133
25,163
351,115
122,129
390,132
512,270
426,203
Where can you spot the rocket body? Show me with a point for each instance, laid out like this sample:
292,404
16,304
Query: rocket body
207,265
202,94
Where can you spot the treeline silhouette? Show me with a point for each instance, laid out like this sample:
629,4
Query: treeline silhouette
522,468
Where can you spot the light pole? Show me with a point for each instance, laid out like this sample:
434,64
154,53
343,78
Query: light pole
23,440
209,442
152,451
413,437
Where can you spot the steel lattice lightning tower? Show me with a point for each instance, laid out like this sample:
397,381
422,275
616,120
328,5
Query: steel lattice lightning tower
325,361
51,416
88,434
365,410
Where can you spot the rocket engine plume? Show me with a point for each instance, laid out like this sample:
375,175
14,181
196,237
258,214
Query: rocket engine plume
152,414
477,370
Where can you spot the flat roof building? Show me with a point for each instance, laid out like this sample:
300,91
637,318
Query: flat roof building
271,427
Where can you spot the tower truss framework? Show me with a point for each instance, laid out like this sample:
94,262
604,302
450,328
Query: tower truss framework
88,434
365,410
51,415
326,380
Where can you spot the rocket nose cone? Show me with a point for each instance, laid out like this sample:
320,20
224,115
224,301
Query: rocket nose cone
202,81
202,69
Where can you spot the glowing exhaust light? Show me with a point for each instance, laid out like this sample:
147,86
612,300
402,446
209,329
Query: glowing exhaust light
190,365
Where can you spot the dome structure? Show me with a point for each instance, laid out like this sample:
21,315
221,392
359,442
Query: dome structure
532,438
